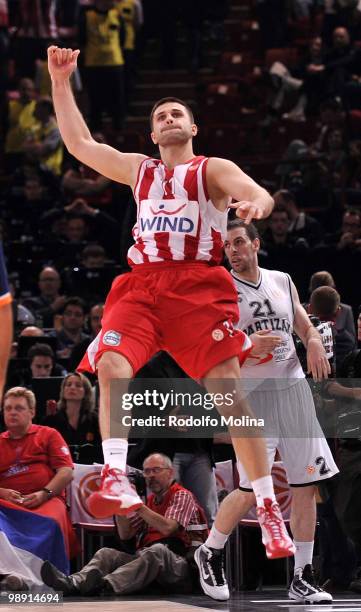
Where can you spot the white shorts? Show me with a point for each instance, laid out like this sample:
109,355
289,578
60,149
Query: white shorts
292,428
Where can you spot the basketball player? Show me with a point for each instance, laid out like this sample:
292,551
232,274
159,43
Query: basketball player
177,297
270,310
6,322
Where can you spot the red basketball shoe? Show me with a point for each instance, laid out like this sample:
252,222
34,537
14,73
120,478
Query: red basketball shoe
274,533
115,496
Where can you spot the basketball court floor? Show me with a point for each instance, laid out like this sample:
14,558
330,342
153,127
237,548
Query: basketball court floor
272,601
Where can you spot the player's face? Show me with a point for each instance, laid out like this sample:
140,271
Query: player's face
172,125
240,250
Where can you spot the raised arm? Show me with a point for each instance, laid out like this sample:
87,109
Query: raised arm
121,167
226,180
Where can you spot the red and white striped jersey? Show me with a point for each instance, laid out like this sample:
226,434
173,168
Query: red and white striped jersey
176,220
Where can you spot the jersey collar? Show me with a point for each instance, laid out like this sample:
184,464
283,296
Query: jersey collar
248,283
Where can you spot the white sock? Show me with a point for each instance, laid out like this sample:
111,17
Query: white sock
216,539
115,452
263,489
303,554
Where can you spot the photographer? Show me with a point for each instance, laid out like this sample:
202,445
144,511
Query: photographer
166,529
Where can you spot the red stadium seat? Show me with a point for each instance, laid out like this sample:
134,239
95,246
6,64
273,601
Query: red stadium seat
288,56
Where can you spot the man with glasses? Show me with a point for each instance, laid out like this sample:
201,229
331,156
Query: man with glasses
167,529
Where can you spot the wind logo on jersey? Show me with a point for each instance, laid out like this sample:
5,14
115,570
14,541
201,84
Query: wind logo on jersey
173,216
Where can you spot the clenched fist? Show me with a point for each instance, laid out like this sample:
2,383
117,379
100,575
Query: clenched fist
61,62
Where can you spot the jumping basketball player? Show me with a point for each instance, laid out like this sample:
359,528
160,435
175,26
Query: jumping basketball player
270,310
177,297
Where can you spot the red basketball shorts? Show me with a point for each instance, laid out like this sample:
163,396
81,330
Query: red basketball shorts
187,309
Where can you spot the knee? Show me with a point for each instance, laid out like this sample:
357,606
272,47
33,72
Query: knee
156,552
113,365
104,553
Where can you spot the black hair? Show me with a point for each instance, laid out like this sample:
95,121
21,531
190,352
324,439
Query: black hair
250,228
40,350
75,301
170,99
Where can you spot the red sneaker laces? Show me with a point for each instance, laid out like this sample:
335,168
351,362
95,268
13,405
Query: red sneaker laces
108,471
272,522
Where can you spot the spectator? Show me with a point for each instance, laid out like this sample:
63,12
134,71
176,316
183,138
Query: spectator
129,13
93,256
300,79
49,302
166,528
344,321
43,143
100,27
42,362
312,90
72,325
82,182
277,234
35,468
332,116
88,223
76,229
325,304
77,420
95,317
32,330
348,238
19,118
301,225
338,62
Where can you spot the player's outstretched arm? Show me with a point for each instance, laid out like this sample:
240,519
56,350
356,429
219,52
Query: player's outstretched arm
253,201
121,167
317,362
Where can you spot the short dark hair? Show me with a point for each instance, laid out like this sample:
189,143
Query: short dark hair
40,350
75,301
286,195
325,302
250,228
280,208
170,99
93,250
321,279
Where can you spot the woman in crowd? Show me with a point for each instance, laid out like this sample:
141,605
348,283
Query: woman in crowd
77,420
